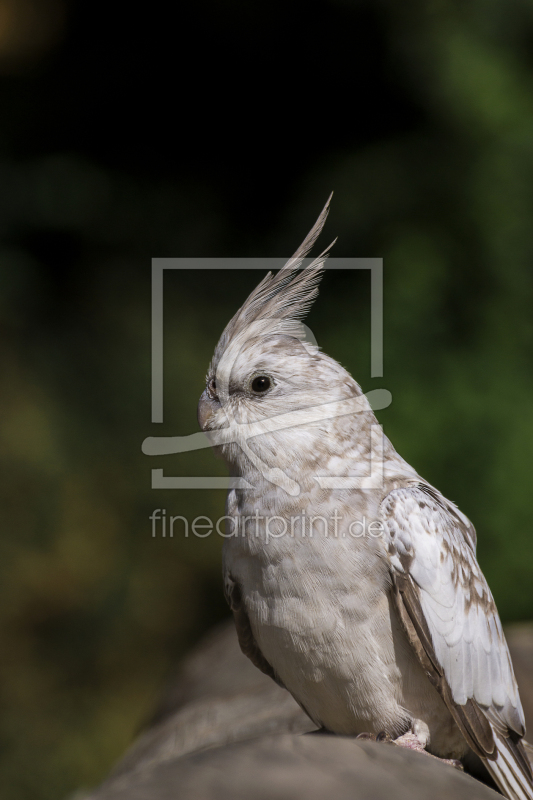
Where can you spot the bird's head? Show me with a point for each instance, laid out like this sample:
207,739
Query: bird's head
267,383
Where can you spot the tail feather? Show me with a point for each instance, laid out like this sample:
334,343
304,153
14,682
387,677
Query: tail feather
528,750
510,769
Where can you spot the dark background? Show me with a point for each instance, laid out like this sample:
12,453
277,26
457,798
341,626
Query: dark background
219,129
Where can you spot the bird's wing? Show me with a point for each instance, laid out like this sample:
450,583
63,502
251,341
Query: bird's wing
449,615
245,635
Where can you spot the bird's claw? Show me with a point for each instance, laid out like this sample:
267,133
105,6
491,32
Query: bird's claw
382,736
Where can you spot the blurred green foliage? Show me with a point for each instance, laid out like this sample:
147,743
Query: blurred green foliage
94,611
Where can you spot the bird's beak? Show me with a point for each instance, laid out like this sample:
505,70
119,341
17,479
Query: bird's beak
207,406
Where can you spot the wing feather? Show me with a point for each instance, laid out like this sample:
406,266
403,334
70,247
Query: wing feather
450,618
247,641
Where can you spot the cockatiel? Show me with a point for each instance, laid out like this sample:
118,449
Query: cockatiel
366,603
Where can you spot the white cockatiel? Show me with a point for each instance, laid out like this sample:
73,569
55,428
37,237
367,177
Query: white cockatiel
364,599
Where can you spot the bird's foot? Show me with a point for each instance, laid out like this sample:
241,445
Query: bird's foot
412,742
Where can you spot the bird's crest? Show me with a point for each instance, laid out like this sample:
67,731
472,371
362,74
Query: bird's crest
280,301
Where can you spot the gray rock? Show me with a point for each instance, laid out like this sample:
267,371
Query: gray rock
224,730
286,767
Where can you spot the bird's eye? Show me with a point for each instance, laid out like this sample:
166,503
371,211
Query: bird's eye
212,388
261,383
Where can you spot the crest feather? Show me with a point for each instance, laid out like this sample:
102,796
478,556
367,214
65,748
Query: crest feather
286,296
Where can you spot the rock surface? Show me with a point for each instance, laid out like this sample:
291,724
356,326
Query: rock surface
224,730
